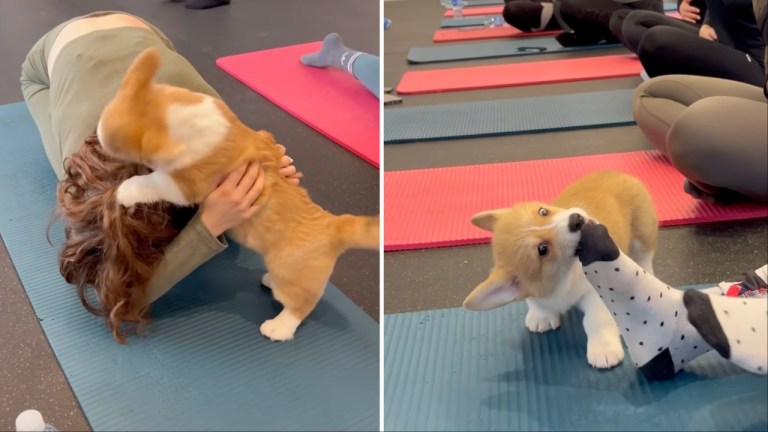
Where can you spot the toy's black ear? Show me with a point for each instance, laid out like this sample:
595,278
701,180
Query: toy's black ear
596,245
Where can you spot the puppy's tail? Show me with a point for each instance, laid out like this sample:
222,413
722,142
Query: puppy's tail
141,72
358,232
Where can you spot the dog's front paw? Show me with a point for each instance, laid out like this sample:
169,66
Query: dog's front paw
277,330
540,323
605,352
130,192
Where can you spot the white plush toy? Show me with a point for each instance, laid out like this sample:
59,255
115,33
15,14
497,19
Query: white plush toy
666,328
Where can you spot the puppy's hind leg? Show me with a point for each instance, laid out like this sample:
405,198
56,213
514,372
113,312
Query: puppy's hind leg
641,255
267,281
645,233
298,294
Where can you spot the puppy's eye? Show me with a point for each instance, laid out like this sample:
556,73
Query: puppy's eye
543,212
543,249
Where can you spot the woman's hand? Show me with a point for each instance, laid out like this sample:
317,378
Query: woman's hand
707,32
287,169
232,201
688,12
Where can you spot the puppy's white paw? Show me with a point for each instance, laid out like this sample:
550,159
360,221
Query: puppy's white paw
540,323
277,331
130,192
605,352
267,281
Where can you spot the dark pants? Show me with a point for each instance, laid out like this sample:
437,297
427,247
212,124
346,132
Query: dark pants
669,46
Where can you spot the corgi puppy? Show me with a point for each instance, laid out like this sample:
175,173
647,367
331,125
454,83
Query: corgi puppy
534,253
189,139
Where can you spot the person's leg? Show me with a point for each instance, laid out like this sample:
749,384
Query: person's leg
590,19
364,67
530,16
35,87
657,103
629,26
720,152
665,50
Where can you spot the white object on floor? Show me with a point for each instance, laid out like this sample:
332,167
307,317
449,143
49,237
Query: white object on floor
32,421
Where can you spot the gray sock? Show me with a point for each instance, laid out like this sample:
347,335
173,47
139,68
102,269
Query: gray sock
333,53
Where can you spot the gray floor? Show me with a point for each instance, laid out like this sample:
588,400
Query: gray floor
441,278
30,376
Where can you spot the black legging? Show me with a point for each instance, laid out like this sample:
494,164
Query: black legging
589,19
669,46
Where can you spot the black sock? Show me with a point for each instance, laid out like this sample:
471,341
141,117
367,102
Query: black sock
206,4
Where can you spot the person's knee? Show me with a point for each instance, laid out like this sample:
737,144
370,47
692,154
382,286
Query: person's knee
523,15
655,42
689,145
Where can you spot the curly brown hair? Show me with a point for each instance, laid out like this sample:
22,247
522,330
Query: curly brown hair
109,248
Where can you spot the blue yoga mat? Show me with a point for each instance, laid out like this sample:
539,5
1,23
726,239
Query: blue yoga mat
504,48
203,364
457,370
508,116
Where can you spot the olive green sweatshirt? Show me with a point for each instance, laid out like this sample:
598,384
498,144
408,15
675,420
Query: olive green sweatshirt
66,109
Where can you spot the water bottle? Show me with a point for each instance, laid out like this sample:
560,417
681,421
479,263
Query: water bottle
494,21
457,6
32,421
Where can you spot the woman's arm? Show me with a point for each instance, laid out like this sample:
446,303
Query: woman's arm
191,248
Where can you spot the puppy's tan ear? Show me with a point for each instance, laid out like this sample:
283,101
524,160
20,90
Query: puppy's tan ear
493,292
487,219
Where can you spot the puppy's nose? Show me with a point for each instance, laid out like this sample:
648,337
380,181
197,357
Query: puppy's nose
575,222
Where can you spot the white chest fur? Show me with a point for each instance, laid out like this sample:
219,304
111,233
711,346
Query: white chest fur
199,127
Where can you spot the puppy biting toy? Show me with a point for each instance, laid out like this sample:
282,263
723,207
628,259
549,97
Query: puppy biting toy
665,328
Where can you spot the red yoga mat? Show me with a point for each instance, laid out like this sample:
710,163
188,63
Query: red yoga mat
476,11
329,100
433,207
518,74
472,33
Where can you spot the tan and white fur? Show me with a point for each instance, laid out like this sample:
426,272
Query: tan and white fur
534,256
190,139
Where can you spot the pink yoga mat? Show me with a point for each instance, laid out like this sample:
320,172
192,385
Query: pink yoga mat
477,11
518,74
473,33
329,100
432,207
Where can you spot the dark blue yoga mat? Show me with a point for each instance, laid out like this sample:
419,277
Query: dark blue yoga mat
505,48
508,116
203,364
457,370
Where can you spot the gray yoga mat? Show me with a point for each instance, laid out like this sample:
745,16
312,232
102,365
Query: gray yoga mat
463,22
455,370
508,116
203,364
504,48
